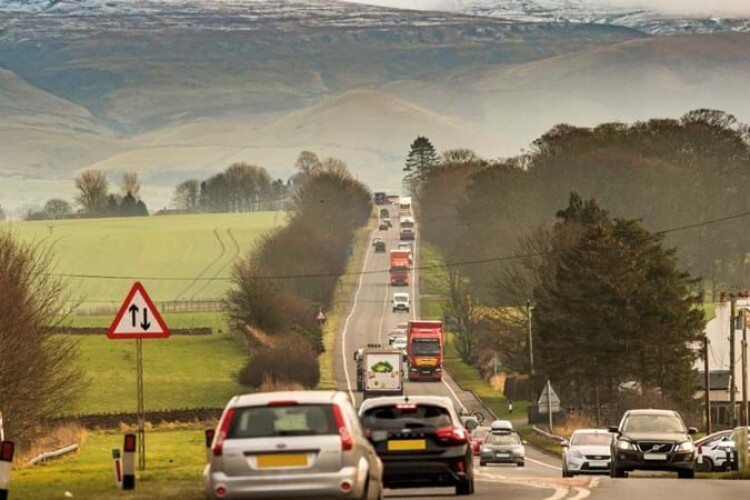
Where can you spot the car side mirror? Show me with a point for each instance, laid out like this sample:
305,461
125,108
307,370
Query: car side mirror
692,430
564,444
614,430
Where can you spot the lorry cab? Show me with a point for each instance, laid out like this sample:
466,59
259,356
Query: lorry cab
425,350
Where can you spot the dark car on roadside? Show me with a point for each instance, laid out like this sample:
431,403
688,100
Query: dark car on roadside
421,442
652,440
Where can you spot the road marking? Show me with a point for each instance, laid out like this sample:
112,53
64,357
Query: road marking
346,322
543,464
382,315
582,493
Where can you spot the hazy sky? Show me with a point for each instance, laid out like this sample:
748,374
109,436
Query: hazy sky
733,8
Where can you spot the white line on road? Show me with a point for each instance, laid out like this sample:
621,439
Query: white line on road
543,464
582,493
346,322
382,317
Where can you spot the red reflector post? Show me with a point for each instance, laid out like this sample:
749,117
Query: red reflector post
129,444
6,451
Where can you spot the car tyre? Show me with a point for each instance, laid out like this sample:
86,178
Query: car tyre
521,464
465,487
707,465
686,473
616,472
482,463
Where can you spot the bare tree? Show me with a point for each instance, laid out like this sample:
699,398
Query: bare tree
462,311
39,375
130,184
93,188
57,208
187,195
308,163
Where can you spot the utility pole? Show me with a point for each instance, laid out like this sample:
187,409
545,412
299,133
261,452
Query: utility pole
744,368
707,383
732,378
531,342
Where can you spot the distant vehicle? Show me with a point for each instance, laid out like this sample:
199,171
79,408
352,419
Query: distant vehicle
420,441
400,344
292,445
384,213
381,198
502,447
722,448
587,452
399,268
400,302
406,229
712,451
382,372
387,220
376,239
404,205
501,425
477,438
380,247
652,440
425,350
406,246
383,226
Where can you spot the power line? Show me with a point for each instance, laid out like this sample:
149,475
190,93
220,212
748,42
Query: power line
445,265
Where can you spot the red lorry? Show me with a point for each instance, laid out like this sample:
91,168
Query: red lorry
400,267
424,347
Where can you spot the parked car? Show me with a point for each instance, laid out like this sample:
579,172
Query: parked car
722,448
292,445
710,451
420,441
502,447
477,438
652,440
400,302
587,452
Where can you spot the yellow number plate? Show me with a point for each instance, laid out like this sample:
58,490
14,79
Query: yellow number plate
409,444
282,460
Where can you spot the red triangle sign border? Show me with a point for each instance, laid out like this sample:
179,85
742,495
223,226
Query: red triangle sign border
155,316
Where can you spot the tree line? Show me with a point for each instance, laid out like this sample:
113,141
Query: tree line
613,298
293,272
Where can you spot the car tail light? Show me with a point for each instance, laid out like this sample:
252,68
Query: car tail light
461,467
456,435
700,450
346,437
407,408
221,435
221,492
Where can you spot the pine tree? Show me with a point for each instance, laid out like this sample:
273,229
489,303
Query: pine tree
421,159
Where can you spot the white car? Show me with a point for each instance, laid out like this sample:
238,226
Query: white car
400,343
712,451
587,452
401,302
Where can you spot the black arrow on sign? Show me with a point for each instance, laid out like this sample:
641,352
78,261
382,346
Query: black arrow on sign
133,312
145,324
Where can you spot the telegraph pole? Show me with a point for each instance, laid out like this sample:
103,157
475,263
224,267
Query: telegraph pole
732,378
531,342
744,369
707,384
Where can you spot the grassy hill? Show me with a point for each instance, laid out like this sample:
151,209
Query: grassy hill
179,246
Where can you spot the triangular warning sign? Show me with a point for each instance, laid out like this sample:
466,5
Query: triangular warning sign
138,318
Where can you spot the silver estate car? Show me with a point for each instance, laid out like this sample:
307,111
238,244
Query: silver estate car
292,445
502,447
587,452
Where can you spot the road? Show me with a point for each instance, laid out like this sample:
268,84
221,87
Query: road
370,319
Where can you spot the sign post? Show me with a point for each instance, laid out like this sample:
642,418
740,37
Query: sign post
138,319
549,402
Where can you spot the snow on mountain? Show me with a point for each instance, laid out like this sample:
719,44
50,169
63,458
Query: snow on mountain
648,20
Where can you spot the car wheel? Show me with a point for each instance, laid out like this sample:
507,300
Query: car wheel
565,473
521,464
615,472
482,464
686,474
706,465
465,487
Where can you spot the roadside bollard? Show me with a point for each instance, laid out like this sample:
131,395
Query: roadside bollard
117,467
6,462
128,462
209,440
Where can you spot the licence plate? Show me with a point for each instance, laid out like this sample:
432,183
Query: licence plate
654,456
282,460
502,455
407,444
598,464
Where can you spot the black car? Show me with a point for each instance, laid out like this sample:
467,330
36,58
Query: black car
379,246
421,442
652,440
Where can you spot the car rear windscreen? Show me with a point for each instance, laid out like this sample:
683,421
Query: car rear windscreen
405,417
296,420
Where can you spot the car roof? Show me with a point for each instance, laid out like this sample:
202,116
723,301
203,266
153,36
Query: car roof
443,401
591,431
652,412
400,294
302,397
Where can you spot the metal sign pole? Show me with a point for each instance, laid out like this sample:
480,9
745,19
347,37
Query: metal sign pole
549,404
140,410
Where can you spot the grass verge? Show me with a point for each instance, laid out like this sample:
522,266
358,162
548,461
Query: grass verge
540,442
174,464
341,303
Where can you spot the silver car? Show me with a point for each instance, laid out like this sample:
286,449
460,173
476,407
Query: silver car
292,445
502,447
587,452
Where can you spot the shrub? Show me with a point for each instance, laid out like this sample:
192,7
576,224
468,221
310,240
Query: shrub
292,362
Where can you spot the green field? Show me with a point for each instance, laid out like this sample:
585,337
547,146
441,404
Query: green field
144,248
178,372
174,464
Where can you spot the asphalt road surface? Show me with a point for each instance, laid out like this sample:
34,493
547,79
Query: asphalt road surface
370,319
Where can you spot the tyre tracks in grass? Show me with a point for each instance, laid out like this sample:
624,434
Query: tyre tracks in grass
205,269
230,261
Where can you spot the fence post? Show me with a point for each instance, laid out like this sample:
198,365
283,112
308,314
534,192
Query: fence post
6,463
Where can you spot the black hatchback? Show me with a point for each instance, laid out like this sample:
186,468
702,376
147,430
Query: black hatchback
652,440
421,442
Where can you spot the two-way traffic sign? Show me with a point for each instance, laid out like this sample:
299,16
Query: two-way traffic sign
138,318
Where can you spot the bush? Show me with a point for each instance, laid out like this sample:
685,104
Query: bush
291,362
